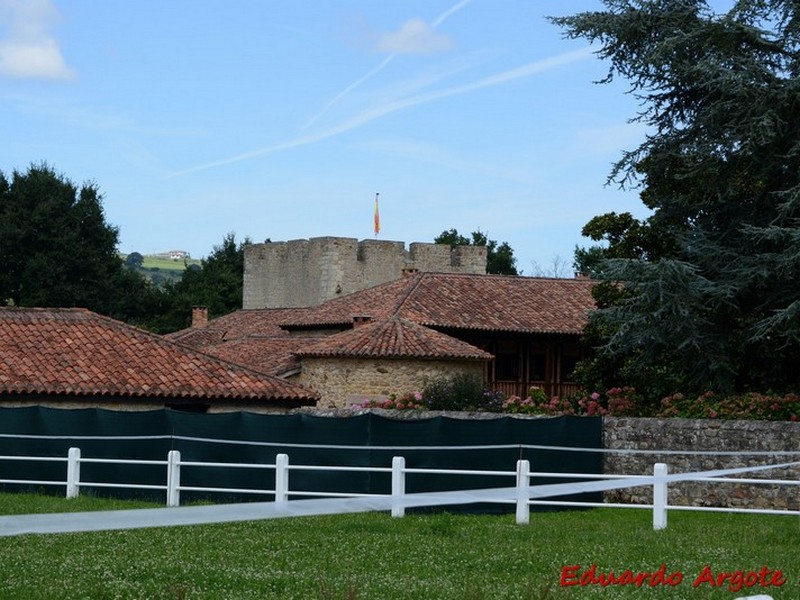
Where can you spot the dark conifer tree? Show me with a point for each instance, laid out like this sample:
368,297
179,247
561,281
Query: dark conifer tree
56,249
713,275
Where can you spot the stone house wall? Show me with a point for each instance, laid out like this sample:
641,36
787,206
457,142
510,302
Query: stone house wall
342,382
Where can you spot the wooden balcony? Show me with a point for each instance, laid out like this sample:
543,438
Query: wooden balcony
522,389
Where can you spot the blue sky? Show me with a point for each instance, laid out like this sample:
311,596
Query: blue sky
282,120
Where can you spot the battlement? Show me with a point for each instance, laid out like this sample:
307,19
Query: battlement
301,273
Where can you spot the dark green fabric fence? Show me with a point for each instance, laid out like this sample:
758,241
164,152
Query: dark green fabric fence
367,440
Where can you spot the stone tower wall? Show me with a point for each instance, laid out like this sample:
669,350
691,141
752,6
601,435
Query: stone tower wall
301,273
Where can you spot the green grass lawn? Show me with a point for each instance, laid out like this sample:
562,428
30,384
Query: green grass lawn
167,264
375,556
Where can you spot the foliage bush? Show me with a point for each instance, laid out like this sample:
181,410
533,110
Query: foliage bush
460,392
466,393
744,406
618,402
410,401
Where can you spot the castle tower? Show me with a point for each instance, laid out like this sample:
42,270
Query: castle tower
301,273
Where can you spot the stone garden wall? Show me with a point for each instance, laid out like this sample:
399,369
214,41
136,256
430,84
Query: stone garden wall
732,444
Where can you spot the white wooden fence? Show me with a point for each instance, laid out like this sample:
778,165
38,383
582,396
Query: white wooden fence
398,471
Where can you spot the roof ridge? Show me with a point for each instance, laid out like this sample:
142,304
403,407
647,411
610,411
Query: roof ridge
405,295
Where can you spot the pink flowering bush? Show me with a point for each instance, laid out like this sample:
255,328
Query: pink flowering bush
623,402
615,402
591,406
753,406
532,405
409,401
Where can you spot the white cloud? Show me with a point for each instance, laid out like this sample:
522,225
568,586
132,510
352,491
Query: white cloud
435,23
28,49
415,36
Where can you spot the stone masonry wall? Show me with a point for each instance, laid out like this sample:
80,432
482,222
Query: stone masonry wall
344,382
739,439
302,273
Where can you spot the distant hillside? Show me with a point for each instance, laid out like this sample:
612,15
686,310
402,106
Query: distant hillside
159,270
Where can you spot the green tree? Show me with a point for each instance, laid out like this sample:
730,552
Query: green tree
56,248
134,260
216,284
623,236
499,257
713,295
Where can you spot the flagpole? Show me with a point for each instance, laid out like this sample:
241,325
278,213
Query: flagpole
377,218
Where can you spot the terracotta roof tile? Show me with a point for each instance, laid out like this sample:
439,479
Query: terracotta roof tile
394,338
252,337
471,302
439,301
271,355
264,322
77,352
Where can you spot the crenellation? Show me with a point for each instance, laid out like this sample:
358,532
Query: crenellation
307,272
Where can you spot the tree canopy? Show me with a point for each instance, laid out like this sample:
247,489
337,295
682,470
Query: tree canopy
56,248
499,257
711,279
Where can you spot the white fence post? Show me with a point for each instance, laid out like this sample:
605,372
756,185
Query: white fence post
73,472
398,485
281,478
660,497
174,478
523,482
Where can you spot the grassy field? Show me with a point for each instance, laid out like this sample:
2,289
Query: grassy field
167,264
160,271
420,556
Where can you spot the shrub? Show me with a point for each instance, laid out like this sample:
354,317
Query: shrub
752,405
410,401
617,402
537,403
466,393
460,392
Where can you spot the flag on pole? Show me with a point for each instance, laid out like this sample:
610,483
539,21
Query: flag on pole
377,217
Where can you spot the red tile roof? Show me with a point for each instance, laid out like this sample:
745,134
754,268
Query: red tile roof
447,302
250,337
274,356
77,352
394,338
263,322
467,302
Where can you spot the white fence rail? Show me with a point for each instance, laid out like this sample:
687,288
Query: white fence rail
398,472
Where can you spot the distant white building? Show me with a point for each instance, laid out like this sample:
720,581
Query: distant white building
173,255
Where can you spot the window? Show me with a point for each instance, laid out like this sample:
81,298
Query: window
538,368
570,355
506,364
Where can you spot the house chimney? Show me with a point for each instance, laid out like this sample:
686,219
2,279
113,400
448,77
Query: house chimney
199,317
360,320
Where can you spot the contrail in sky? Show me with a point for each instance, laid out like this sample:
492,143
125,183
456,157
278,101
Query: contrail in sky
453,9
435,23
526,70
